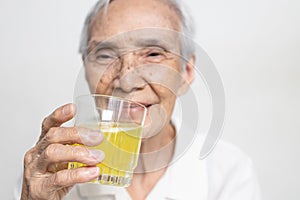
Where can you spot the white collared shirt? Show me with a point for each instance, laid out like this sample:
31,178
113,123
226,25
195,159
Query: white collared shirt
226,174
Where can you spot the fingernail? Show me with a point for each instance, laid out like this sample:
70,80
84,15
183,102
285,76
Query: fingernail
94,170
97,154
67,109
90,137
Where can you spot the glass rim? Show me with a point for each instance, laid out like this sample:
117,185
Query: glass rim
113,97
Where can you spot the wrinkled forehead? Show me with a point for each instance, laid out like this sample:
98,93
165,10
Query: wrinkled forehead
166,39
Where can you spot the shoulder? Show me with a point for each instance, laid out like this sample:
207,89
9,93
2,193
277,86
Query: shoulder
227,161
231,174
226,155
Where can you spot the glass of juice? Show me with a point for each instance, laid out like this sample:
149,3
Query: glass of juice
120,121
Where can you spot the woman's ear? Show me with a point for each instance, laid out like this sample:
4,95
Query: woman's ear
188,75
83,59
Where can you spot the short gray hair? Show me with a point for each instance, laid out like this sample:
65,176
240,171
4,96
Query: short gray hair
187,26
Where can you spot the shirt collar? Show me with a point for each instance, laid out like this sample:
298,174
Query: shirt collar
187,177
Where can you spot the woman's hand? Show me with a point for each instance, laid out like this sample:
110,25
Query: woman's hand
45,165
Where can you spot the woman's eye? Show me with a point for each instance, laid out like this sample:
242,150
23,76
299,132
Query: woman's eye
104,56
154,54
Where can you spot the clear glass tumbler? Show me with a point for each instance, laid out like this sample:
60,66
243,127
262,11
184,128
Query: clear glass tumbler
121,122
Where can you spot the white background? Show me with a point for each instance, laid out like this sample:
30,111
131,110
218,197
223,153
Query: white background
255,45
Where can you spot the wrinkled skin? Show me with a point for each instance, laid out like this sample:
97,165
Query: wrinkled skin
45,165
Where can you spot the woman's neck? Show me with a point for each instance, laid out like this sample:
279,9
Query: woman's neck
155,155
156,152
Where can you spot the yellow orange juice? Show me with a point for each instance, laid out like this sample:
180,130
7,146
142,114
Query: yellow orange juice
121,147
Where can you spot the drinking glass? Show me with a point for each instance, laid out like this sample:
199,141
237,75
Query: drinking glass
121,122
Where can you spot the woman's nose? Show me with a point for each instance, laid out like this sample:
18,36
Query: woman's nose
129,77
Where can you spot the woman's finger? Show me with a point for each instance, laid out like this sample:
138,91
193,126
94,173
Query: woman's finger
58,117
58,153
66,178
63,135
